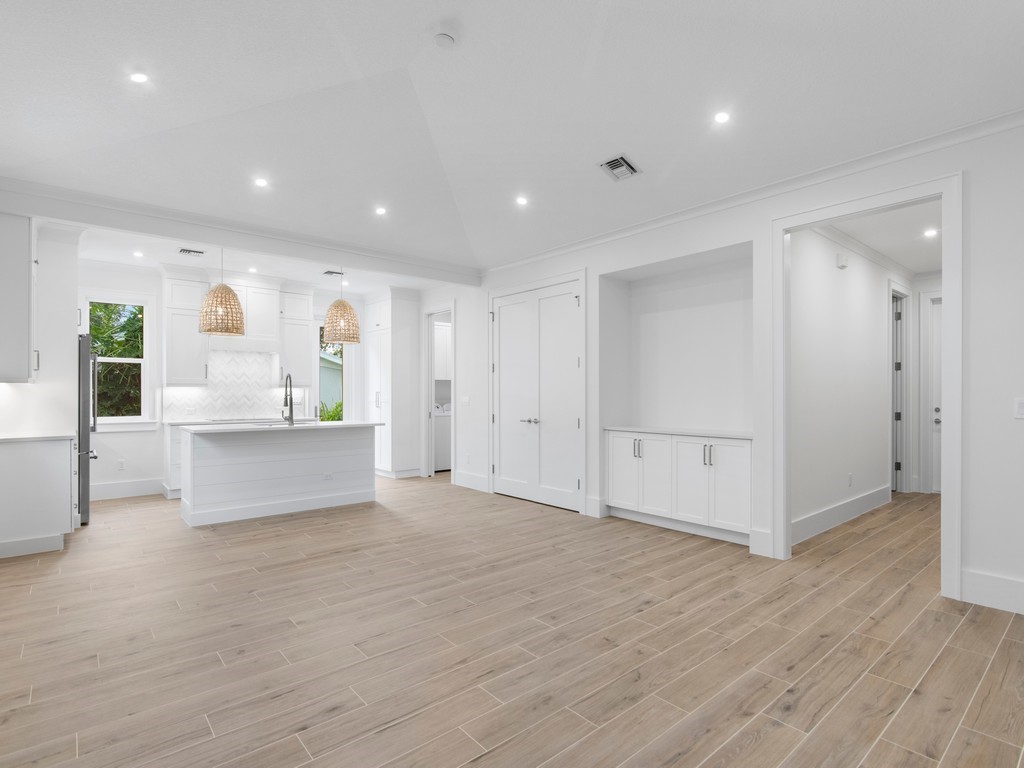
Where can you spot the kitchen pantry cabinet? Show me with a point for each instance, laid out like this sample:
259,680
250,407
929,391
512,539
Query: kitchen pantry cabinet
691,478
299,346
19,355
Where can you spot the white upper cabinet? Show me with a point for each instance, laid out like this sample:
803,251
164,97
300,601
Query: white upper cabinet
19,358
376,316
298,351
443,362
186,350
262,313
296,306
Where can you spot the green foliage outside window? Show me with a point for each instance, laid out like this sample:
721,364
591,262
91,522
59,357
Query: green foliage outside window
117,340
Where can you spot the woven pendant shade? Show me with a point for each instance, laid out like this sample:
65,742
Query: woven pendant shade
341,326
221,313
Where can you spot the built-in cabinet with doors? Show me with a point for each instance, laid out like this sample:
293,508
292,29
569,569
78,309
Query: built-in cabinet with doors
702,479
676,350
19,354
299,344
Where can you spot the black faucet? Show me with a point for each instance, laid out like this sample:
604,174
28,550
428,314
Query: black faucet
289,400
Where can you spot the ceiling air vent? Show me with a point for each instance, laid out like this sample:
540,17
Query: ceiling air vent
190,252
333,272
620,168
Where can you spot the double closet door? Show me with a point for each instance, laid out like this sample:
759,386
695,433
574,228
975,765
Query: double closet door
539,391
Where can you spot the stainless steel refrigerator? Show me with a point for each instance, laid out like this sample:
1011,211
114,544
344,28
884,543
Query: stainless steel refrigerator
86,420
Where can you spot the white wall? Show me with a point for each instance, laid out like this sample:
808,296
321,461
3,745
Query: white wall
130,462
691,349
840,384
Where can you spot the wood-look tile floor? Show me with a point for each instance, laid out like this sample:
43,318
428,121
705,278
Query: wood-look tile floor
440,627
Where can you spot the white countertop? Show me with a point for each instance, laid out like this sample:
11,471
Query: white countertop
725,433
277,426
33,438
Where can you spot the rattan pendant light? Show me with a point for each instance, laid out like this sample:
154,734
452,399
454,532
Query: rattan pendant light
341,326
221,313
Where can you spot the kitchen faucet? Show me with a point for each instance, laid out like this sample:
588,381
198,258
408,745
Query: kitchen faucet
289,400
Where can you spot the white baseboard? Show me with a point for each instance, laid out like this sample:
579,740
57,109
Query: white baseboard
126,488
249,511
34,546
680,525
595,507
472,480
761,543
401,474
993,590
823,520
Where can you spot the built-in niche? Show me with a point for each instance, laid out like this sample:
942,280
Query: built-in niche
676,343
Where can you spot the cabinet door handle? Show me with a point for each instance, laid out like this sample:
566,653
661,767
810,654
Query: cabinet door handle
376,400
37,359
640,448
634,448
705,454
711,455
206,370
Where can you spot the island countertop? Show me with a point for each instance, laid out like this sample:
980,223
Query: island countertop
209,427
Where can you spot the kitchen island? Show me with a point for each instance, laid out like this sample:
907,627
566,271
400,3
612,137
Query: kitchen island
243,471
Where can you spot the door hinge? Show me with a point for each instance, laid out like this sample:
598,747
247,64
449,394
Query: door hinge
577,297
492,469
899,316
492,418
492,317
492,367
578,486
898,416
899,466
578,424
899,366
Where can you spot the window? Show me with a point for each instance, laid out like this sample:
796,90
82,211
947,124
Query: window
330,380
118,341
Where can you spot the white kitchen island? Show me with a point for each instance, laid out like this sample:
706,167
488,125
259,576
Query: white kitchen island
243,471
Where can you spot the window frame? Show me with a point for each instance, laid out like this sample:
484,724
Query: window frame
147,418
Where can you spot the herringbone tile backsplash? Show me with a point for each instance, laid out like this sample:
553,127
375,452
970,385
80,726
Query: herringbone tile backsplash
243,385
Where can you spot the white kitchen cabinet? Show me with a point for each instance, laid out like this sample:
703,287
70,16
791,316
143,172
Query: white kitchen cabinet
376,316
640,472
712,481
19,355
443,362
261,312
184,294
186,350
296,306
37,477
298,351
691,478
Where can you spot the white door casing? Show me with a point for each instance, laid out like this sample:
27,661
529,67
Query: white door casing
931,395
539,395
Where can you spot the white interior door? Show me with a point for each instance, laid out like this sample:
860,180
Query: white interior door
539,396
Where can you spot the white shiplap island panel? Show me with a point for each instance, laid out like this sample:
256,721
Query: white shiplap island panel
242,471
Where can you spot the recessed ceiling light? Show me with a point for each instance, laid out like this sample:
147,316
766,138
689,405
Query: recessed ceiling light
137,254
344,282
253,270
931,232
260,182
381,210
722,117
444,40
522,200
139,77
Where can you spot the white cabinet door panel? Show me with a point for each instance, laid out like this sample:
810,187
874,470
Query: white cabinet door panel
655,474
186,349
730,491
623,471
691,479
297,351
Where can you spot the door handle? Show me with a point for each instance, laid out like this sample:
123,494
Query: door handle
530,421
640,448
937,421
711,455
634,449
705,454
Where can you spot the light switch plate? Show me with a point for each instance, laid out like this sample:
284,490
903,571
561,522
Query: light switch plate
1018,407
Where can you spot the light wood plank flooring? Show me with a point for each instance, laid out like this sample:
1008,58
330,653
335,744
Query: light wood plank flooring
440,627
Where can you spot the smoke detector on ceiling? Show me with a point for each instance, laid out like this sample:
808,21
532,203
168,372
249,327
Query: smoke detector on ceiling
620,168
190,252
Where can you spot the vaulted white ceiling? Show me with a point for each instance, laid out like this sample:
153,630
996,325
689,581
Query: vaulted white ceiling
346,105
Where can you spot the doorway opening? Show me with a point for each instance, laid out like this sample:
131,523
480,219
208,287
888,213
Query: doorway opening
440,378
858,361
